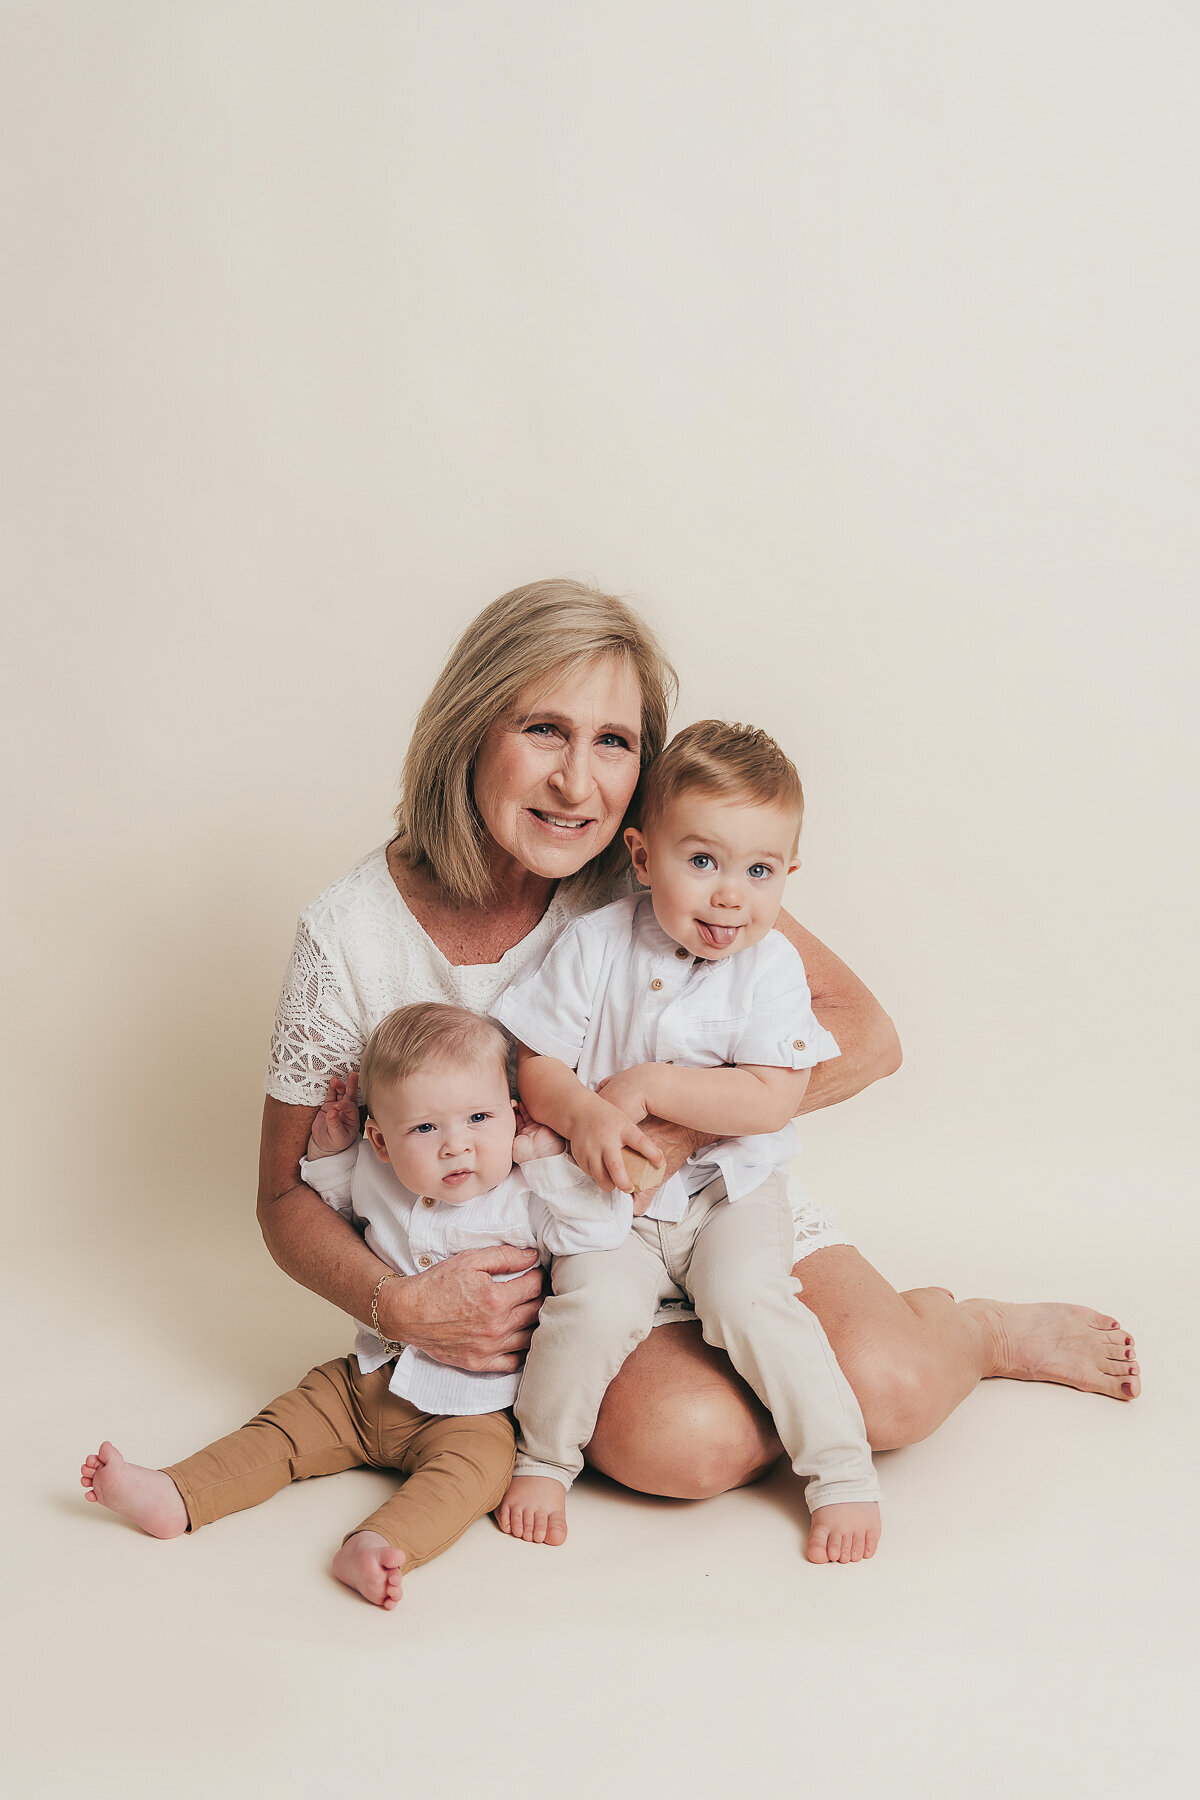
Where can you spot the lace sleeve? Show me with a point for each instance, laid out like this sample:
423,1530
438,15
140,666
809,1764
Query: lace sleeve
314,1036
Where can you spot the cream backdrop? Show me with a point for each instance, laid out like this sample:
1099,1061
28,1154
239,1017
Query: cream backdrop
855,342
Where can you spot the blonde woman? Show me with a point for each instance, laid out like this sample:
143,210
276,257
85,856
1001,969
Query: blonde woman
524,763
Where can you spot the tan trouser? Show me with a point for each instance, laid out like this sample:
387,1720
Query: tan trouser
733,1261
338,1418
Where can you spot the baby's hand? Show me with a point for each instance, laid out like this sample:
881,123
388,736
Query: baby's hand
598,1144
628,1091
336,1125
534,1141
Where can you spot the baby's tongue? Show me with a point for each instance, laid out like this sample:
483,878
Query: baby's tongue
719,936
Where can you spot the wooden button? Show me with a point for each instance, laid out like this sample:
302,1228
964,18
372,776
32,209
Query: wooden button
423,1262
797,1043
681,951
426,1201
655,984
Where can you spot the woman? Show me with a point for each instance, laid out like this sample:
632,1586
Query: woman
523,764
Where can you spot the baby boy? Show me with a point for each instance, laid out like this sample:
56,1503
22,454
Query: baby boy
687,1004
433,1175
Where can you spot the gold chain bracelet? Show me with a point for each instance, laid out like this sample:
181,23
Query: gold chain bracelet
392,1349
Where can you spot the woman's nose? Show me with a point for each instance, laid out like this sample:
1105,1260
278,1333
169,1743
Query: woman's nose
573,778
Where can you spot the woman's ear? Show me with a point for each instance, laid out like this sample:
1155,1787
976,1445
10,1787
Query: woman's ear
636,845
374,1137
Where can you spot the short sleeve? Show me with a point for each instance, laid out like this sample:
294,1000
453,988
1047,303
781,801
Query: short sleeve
548,1007
783,1031
315,1035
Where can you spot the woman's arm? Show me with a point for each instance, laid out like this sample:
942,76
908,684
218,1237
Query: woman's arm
844,1005
455,1313
847,1007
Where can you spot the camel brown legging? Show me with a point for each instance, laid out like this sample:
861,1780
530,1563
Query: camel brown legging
336,1419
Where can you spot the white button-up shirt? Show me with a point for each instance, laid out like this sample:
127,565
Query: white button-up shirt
615,991
548,1207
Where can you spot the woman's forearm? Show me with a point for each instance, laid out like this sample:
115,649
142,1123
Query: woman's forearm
870,1048
311,1242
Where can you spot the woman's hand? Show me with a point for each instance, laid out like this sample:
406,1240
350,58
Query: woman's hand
336,1125
457,1314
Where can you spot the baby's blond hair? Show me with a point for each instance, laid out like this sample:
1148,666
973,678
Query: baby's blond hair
412,1037
728,761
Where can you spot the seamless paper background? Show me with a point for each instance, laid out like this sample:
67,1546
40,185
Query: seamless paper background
855,344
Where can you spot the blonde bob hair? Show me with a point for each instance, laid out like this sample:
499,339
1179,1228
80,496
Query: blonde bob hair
547,628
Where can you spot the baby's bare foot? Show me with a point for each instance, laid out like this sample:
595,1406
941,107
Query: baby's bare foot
845,1533
147,1497
1053,1341
371,1566
534,1508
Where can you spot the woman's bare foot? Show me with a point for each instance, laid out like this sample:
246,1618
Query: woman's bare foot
535,1509
146,1497
845,1533
371,1566
1052,1341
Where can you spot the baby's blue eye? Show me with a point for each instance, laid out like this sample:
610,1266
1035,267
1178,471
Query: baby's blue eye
422,1127
478,1118
700,859
760,871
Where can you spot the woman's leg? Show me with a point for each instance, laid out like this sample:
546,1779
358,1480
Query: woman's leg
678,1421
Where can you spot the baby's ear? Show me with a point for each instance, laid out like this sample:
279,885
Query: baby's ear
636,844
374,1137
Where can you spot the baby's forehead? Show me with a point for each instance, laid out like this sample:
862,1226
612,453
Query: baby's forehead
466,1070
738,814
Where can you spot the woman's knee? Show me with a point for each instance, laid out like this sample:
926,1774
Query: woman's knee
689,1438
897,1397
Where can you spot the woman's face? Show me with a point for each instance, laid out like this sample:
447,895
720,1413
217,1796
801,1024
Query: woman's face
553,776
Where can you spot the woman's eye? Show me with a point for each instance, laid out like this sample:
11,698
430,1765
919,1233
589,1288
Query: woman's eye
611,739
542,730
701,861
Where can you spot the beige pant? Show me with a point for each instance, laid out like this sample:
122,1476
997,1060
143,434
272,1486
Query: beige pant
733,1261
457,1468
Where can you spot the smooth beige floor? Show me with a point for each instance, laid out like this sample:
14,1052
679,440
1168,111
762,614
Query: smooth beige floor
1028,1626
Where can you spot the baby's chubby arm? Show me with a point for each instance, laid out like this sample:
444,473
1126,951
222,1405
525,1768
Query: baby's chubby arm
597,1130
727,1102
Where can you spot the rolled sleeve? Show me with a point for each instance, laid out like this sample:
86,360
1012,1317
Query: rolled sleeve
570,1214
332,1176
782,1031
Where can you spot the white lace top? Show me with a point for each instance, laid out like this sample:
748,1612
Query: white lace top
359,954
